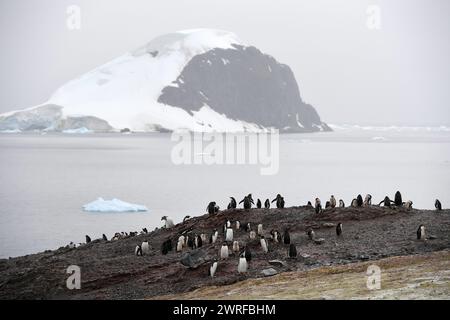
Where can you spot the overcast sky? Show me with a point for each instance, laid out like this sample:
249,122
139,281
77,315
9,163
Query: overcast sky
397,74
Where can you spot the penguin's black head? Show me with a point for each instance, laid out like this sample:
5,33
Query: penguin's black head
164,218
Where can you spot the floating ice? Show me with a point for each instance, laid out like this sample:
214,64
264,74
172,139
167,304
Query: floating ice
82,130
114,205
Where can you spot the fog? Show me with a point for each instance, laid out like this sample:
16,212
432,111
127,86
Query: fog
395,71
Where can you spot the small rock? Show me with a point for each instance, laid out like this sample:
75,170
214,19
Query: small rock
192,259
432,237
328,225
364,257
278,263
269,272
319,241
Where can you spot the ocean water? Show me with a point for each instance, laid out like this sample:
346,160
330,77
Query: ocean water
46,179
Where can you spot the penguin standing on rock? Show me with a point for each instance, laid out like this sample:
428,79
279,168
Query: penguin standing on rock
333,201
247,203
104,237
243,264
267,204
166,246
398,199
168,223
318,206
438,205
408,205
145,248
213,268
260,229
229,235
211,208
368,200
327,204
186,218
252,235
235,246
214,236
248,254
286,237
359,200
421,232
292,251
232,204
138,251
263,243
280,201
386,202
311,234
88,239
258,204
224,251
341,204
339,229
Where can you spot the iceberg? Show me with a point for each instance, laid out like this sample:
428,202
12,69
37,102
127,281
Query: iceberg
114,205
82,130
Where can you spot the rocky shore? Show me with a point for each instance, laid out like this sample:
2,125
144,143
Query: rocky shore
111,270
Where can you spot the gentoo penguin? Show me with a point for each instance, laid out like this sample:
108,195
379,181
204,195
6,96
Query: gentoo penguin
88,239
280,201
421,233
260,229
232,204
104,237
213,268
386,202
438,205
341,204
180,245
138,251
228,224
214,236
327,204
408,205
248,254
267,204
168,222
258,204
309,204
368,200
198,241
333,201
166,247
359,200
339,229
203,237
292,253
311,234
275,235
224,251
186,218
229,235
354,203
145,230
72,245
252,235
235,246
238,225
398,199
251,198
145,248
263,243
247,227
318,206
286,237
216,209
243,264
211,208
190,242
247,203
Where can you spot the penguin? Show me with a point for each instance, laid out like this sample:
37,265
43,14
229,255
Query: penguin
286,237
243,264
191,242
166,247
72,245
260,229
214,236
309,204
275,235
138,251
228,224
252,235
211,208
247,227
318,206
168,222
292,253
263,243
267,204
186,218
248,254
311,234
144,230
238,225
229,235
88,239
339,229
104,237
327,204
398,199
333,201
354,203
421,232
213,268
368,200
247,203
359,200
251,198
180,245
203,237
408,205
145,247
280,201
216,209
224,251
198,241
386,202
438,205
232,204
258,204
235,246
341,204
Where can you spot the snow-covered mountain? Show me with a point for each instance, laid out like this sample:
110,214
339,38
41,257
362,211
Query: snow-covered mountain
200,80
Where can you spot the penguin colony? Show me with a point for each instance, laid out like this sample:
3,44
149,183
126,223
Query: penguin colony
231,247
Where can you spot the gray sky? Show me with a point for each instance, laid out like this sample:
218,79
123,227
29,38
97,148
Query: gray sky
399,74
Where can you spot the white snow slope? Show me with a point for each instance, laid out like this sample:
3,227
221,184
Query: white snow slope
125,91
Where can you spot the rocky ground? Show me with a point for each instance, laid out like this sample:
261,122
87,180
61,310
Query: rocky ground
110,270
